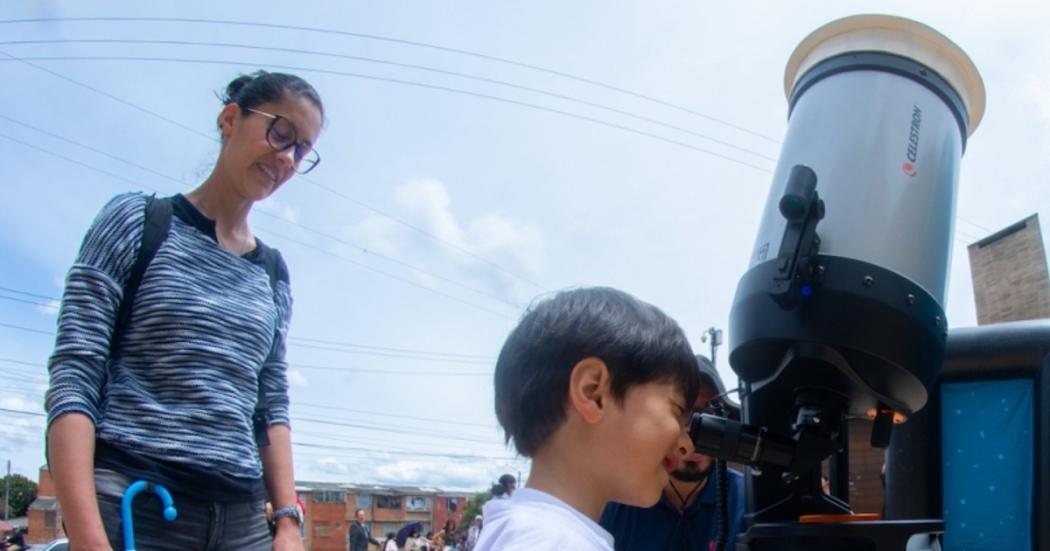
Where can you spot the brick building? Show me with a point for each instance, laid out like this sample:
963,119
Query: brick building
330,509
1010,278
329,506
45,518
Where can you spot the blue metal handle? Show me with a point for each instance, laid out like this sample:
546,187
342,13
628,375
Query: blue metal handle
129,497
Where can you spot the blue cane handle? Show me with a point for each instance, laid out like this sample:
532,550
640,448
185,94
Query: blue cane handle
129,497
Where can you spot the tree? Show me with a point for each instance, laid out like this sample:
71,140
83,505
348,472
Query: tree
23,492
473,507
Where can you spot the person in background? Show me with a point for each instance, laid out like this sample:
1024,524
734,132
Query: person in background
686,517
390,543
504,487
474,532
358,535
182,381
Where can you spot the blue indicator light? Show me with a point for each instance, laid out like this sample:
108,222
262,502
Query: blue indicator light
807,291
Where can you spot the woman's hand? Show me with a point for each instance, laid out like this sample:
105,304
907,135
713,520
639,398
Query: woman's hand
287,537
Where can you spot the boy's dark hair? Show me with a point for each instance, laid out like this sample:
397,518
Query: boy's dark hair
636,340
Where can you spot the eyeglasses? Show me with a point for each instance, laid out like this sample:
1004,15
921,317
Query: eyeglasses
281,135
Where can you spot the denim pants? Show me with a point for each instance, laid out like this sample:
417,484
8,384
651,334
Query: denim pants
200,525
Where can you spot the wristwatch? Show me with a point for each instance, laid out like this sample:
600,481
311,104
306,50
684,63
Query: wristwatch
291,511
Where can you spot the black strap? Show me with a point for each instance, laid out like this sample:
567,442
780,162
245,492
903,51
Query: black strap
154,232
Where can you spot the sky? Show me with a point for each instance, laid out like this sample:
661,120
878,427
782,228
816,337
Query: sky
477,156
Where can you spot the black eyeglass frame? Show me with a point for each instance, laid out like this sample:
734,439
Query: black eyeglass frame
301,160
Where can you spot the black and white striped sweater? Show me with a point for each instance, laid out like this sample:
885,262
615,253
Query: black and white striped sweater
204,346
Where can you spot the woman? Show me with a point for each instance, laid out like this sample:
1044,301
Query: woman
504,487
390,544
194,394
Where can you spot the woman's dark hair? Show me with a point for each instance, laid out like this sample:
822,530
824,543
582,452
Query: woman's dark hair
263,86
502,486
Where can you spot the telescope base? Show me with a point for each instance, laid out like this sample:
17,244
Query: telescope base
887,535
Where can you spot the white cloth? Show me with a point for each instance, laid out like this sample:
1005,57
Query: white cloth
391,546
537,521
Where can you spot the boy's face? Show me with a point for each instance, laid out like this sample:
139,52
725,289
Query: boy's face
696,467
648,427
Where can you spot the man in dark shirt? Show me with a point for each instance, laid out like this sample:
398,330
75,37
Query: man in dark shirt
359,536
686,517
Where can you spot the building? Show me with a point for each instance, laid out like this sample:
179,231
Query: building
330,509
45,518
1010,278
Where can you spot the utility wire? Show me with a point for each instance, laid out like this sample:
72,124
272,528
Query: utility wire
318,249
307,179
479,55
378,61
418,84
21,412
362,249
415,356
454,73
389,429
394,415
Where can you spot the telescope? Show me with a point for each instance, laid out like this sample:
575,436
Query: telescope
841,312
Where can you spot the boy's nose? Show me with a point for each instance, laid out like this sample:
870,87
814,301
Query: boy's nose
685,445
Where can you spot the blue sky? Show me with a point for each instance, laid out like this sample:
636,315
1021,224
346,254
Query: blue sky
455,187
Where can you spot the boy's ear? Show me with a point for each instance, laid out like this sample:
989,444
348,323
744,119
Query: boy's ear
589,389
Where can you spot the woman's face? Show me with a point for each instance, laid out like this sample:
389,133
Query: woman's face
248,160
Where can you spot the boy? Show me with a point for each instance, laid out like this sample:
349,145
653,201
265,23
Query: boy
596,387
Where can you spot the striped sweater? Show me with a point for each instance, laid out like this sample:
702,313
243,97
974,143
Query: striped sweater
203,349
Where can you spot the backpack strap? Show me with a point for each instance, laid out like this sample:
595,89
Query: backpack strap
154,232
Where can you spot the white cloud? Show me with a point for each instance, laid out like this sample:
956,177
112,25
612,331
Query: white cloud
331,465
498,246
296,378
1037,90
50,308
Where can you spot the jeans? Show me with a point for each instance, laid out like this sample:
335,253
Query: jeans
200,525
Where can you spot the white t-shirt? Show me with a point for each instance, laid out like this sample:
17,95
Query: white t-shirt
537,521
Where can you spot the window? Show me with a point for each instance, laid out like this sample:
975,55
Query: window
451,504
49,520
364,501
417,503
329,496
390,527
321,529
388,502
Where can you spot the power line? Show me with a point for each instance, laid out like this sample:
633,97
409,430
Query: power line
27,329
394,371
448,89
360,264
404,66
310,366
308,180
20,412
398,416
336,346
411,43
390,430
364,250
392,349
292,342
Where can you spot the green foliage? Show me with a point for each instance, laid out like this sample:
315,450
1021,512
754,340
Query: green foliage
23,492
473,507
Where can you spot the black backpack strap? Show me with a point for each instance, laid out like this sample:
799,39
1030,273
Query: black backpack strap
154,232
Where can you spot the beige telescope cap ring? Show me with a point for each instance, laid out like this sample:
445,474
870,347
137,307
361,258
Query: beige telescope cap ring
894,35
